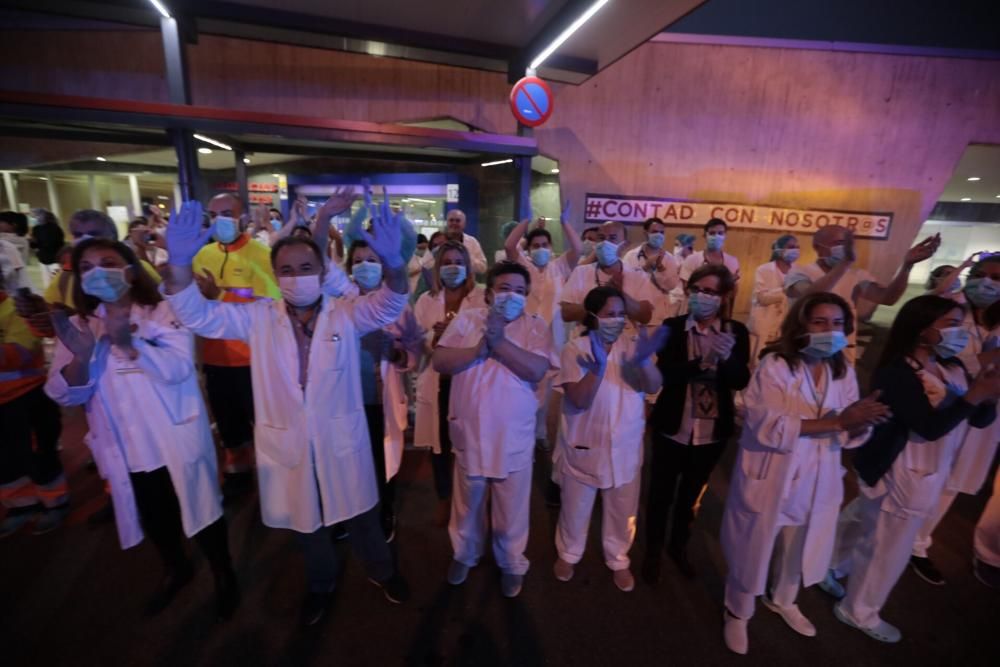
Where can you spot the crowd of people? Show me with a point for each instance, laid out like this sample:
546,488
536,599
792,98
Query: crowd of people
316,342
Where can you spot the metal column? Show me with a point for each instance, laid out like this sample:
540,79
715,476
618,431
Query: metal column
175,57
50,186
133,188
522,183
95,202
8,183
241,178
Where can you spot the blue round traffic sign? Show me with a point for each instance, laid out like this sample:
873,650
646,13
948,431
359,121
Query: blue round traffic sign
531,101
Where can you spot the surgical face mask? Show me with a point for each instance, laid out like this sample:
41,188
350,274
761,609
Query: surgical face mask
108,285
367,274
541,256
704,306
300,290
825,344
607,253
956,286
276,224
226,229
837,255
656,240
790,255
715,241
610,328
510,305
420,252
982,292
953,341
588,247
453,275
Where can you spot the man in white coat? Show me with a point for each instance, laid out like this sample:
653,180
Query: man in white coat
314,459
456,232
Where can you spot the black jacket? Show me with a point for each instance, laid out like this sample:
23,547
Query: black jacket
47,240
903,392
731,375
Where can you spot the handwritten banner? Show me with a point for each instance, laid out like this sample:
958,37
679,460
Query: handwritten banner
677,212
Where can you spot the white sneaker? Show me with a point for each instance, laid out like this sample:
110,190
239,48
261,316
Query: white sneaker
457,572
562,570
624,580
792,615
882,631
832,587
510,584
734,632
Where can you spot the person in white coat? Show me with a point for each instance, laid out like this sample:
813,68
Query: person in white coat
904,466
786,489
605,376
455,231
677,297
453,289
496,357
661,267
128,361
313,452
768,303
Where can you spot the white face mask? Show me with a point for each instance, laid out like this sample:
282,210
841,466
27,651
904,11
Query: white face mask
300,290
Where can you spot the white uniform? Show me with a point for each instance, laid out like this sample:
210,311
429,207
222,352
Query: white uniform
600,448
493,446
429,310
677,298
697,259
662,282
475,253
586,277
768,305
145,414
12,267
314,460
785,485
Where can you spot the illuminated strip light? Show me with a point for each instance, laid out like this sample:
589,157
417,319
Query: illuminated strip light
207,140
558,41
160,8
493,164
422,201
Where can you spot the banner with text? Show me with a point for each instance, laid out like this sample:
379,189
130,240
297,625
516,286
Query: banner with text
635,210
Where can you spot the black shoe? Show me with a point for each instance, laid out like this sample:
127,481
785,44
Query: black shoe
395,588
926,570
389,527
553,494
651,569
679,556
987,574
227,595
102,516
314,607
340,532
236,485
169,588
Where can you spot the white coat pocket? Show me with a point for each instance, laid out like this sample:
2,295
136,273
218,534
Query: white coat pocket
280,444
347,434
912,493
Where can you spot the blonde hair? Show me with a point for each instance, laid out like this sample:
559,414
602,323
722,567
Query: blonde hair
470,278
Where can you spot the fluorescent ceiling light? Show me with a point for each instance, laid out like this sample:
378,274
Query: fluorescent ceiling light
102,159
160,8
246,160
965,199
973,178
276,175
554,171
209,140
493,164
565,34
204,151
422,201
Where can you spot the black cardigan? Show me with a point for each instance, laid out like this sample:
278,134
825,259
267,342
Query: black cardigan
731,375
903,392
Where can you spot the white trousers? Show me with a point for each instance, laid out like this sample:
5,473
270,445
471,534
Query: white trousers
986,544
923,540
619,506
509,502
786,574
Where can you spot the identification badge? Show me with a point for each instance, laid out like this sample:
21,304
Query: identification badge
704,400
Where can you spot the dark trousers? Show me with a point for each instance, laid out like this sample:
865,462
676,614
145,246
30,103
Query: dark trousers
681,469
386,488
441,463
367,540
30,426
160,514
230,395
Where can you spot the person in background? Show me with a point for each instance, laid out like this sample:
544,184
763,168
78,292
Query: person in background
413,268
453,290
768,302
455,231
904,466
497,356
786,489
14,230
946,280
125,357
834,271
140,240
505,230
677,298
659,264
715,239
32,481
703,363
427,261
605,375
47,238
589,238
12,266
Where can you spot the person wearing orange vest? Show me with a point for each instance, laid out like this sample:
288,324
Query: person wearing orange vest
31,474
236,268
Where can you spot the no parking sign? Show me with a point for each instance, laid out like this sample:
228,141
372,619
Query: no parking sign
531,101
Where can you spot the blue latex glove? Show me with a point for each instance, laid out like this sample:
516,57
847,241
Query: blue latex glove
354,231
185,235
408,245
387,238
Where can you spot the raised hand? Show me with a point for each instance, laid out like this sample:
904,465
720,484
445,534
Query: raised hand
649,343
923,250
340,201
567,211
864,413
185,236
598,362
385,239
850,254
80,342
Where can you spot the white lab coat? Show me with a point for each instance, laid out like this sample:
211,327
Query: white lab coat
395,404
476,255
977,451
429,310
781,478
768,305
314,461
151,406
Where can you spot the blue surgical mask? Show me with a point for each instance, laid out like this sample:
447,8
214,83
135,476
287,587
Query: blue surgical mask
367,274
656,240
956,286
108,285
607,253
703,306
982,292
226,229
838,254
825,344
610,328
953,341
541,256
791,255
509,304
715,241
452,275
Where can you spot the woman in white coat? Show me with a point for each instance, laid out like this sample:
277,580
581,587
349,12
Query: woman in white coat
768,302
313,452
605,377
125,358
453,289
786,489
